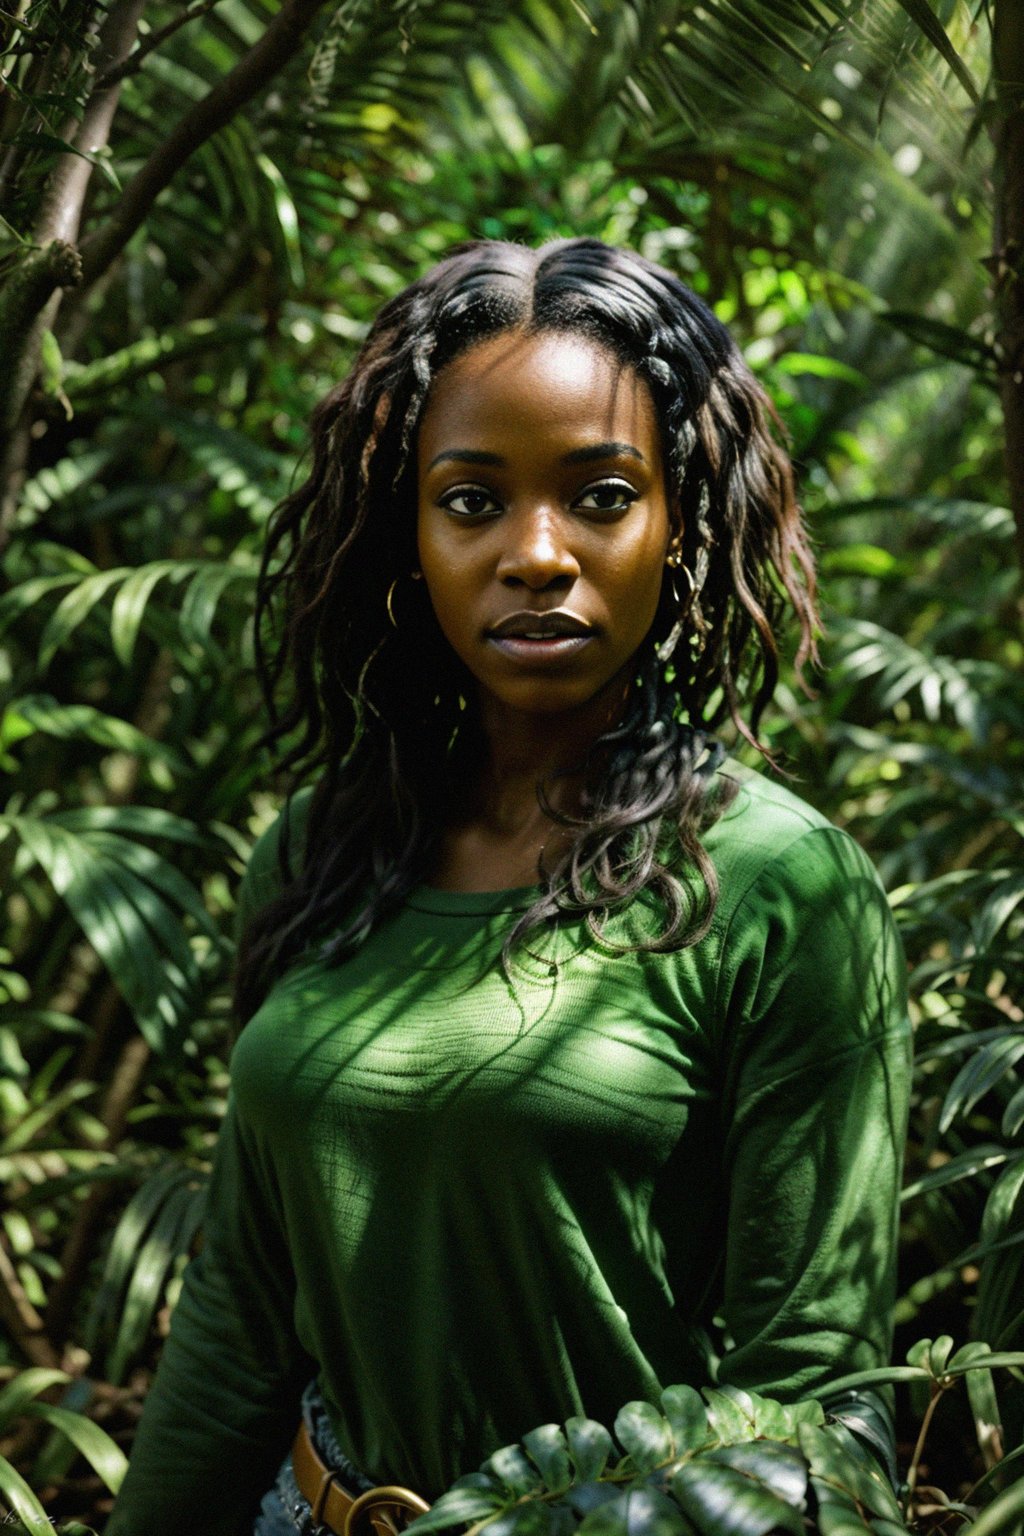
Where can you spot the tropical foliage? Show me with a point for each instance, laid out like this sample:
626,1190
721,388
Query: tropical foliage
203,204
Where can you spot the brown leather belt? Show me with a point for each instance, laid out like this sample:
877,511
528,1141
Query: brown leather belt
381,1511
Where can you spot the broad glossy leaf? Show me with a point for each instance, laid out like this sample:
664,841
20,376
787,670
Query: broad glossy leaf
459,1506
510,1465
590,1446
546,1446
644,1435
528,1519
582,1498
636,1512
838,1462
723,1501
731,1413
780,1468
778,1421
687,1416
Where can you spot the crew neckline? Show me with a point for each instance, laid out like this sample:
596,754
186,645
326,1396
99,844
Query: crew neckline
428,898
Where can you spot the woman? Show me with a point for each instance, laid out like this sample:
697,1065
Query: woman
575,1058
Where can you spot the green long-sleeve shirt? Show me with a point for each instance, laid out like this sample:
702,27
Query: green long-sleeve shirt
475,1206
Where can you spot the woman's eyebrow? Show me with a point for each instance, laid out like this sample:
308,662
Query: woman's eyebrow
603,451
466,456
576,456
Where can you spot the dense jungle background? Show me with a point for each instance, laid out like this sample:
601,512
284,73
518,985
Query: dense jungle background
203,204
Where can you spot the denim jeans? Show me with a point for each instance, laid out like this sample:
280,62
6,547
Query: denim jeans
284,1511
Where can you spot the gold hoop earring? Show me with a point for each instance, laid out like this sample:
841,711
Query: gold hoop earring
674,563
415,575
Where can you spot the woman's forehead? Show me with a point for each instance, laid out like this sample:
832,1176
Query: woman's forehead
521,380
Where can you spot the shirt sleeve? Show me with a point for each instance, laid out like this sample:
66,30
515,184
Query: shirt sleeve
812,1000
224,1404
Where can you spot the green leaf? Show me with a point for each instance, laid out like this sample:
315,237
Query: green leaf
964,1166
584,1498
635,1512
644,1435
27,1385
687,1417
731,1413
820,367
924,15
68,722
780,1468
1004,1515
459,1506
861,560
102,1453
590,1446
169,1238
19,1497
722,1500
977,1076
946,340
931,1355
510,1466
1013,1114
74,609
287,216
137,1219
129,605
546,1446
981,1394
843,1472
529,1519
778,1421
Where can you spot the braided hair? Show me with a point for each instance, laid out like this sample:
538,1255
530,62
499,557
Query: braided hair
383,710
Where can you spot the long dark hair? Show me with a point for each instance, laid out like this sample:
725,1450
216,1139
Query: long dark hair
382,708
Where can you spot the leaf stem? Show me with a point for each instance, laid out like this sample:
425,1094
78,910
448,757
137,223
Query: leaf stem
938,1392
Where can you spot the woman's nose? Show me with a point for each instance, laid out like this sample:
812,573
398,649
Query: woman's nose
537,551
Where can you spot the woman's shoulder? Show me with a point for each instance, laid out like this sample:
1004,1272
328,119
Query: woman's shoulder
263,879
769,837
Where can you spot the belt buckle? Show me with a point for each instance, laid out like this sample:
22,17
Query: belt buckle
383,1511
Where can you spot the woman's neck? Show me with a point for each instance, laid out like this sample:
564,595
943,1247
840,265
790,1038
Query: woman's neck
502,835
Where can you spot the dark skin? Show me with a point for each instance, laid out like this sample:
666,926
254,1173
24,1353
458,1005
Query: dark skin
543,528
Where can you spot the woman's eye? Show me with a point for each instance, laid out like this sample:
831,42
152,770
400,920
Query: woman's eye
469,501
609,496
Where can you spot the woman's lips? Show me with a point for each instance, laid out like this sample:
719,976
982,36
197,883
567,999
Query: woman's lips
550,636
546,648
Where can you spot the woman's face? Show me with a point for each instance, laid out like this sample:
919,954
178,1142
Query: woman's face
543,521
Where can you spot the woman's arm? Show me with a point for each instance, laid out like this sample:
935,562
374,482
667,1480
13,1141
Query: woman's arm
812,997
224,1404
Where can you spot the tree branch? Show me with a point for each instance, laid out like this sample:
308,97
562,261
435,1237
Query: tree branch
21,1319
282,39
1007,261
26,295
34,306
61,212
133,63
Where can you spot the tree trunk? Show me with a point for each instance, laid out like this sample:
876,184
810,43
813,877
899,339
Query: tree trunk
33,293
1008,252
